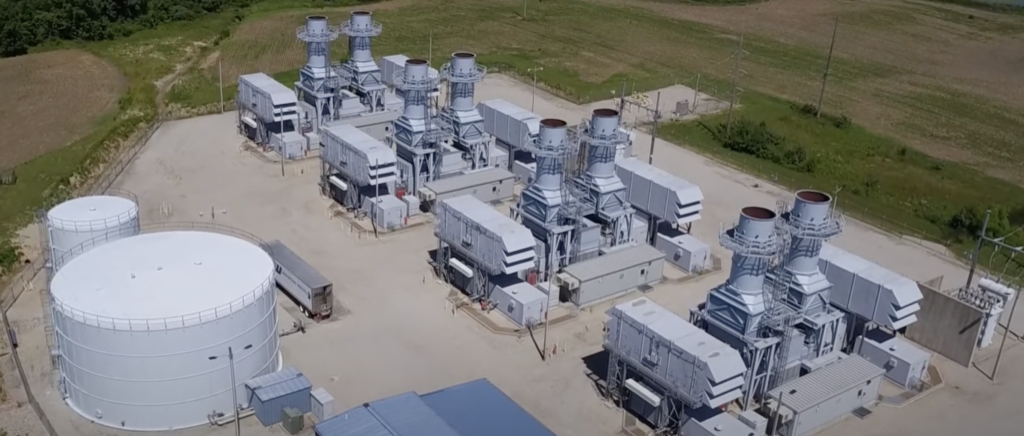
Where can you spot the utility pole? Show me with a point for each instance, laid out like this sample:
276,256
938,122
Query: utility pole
977,249
430,50
696,95
1002,344
533,97
220,79
281,152
828,67
735,78
655,115
546,307
622,98
654,128
524,9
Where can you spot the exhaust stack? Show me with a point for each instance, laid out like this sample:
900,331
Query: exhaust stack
755,235
550,154
416,85
602,139
360,28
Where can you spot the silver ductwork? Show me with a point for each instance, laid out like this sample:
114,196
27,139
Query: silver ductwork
463,65
550,156
756,228
811,209
360,28
604,135
318,35
414,76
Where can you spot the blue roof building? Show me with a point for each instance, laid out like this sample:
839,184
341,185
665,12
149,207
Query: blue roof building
476,408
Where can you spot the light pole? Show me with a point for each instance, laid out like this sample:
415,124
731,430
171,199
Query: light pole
234,390
533,97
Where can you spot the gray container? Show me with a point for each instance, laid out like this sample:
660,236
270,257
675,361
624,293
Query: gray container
611,275
292,420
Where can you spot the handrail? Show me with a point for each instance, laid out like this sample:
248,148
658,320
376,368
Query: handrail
167,323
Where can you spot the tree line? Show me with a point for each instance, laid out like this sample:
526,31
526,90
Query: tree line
28,23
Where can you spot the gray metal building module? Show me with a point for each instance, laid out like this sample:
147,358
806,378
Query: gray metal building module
488,185
598,279
268,395
823,397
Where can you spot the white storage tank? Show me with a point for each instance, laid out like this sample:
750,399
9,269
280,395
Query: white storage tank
143,327
78,225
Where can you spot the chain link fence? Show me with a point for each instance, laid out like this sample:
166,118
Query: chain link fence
22,281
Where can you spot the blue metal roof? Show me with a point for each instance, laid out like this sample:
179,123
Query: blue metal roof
278,384
355,422
478,408
401,415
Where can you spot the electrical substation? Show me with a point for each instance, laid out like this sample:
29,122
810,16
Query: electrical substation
526,223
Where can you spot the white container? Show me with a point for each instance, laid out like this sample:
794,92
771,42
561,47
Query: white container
323,404
143,327
78,225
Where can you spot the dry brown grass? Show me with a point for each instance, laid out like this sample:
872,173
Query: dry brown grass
52,99
941,78
931,48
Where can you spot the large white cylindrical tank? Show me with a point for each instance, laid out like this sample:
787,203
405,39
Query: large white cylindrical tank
78,225
143,326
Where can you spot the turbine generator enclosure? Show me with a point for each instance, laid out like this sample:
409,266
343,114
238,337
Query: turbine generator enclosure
143,326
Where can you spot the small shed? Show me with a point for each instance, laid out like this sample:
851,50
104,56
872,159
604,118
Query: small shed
521,302
323,404
608,276
387,211
684,251
904,364
821,398
269,394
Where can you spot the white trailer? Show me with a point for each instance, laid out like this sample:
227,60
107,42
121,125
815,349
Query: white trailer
311,291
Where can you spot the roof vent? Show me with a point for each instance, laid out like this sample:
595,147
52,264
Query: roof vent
197,263
718,427
892,348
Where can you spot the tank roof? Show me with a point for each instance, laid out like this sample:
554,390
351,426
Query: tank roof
192,274
91,208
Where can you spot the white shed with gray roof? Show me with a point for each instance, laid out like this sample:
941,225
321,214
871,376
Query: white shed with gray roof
821,398
614,274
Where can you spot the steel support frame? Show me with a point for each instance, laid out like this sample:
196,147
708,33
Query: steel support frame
761,361
670,411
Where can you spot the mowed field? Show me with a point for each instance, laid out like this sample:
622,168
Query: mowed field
52,99
941,78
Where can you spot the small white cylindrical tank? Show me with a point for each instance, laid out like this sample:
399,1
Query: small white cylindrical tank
78,225
143,326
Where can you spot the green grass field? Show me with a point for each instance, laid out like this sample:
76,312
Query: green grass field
884,162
